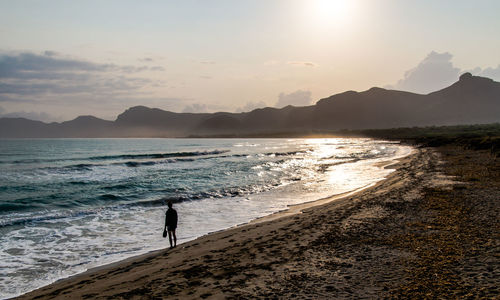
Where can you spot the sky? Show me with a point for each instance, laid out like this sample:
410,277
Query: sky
62,59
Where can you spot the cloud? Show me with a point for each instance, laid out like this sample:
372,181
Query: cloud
130,69
302,63
49,79
14,66
37,116
46,74
493,73
195,108
50,53
94,86
51,65
298,98
157,69
435,72
249,106
297,63
16,99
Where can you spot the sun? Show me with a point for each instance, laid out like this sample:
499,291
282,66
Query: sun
329,12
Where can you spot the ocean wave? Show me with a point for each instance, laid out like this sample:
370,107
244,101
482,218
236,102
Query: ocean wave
123,156
109,197
135,164
174,160
132,163
139,163
77,167
41,216
322,168
75,182
158,155
86,167
172,157
222,193
285,153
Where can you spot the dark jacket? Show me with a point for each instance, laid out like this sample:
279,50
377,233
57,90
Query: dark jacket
171,218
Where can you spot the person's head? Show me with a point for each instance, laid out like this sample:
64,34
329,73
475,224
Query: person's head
169,204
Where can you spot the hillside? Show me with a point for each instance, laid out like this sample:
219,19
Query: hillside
471,100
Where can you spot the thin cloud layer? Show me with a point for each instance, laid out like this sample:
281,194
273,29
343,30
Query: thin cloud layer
37,116
298,98
41,75
51,82
302,63
157,69
30,65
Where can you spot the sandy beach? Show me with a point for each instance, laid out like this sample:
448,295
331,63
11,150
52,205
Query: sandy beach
429,230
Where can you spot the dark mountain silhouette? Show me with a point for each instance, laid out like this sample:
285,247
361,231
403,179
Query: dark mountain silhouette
85,126
21,127
142,121
471,100
220,122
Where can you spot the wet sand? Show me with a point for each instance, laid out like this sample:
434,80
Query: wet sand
429,230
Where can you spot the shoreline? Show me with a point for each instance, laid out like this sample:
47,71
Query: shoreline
294,209
361,247
291,209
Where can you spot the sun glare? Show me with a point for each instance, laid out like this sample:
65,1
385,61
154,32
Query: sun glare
328,13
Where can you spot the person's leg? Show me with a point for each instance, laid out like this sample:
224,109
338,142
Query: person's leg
170,238
175,238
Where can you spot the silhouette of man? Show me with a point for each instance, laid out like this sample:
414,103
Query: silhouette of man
171,223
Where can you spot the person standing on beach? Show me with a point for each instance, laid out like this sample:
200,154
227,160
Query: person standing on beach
171,223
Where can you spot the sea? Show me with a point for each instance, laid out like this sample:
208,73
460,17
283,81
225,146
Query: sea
69,205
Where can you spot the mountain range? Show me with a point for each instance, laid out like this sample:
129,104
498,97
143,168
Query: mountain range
470,100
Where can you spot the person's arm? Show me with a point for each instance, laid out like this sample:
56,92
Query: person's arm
166,220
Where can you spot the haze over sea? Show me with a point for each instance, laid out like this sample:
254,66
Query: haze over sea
67,205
